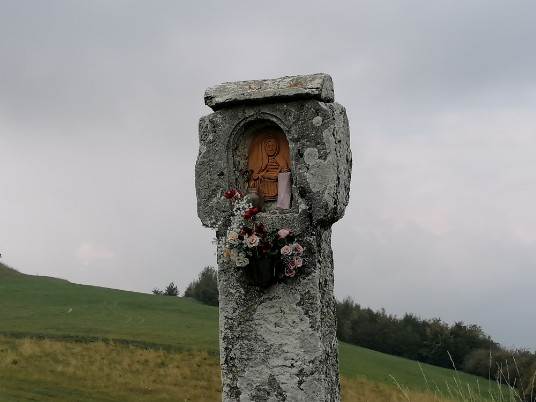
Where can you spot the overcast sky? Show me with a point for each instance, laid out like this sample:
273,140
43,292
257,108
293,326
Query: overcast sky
99,106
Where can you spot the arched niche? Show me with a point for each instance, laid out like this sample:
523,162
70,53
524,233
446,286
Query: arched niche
261,153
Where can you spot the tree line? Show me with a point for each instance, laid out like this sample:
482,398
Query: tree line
465,347
204,288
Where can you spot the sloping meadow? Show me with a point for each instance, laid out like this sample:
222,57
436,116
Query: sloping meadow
61,342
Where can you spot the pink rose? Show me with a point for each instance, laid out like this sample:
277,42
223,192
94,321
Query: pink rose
286,250
284,233
297,248
252,241
298,261
291,264
233,237
290,272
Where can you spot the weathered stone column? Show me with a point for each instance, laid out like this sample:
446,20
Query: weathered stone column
278,343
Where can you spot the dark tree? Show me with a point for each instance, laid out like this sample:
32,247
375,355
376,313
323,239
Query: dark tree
205,287
171,290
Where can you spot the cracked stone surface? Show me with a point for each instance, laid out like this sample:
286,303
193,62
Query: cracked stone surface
315,86
279,343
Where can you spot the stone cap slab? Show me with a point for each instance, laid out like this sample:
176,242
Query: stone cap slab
298,87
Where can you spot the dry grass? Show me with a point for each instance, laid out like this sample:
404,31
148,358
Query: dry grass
105,371
362,390
122,372
117,372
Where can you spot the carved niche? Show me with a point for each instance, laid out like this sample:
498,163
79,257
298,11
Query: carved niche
262,164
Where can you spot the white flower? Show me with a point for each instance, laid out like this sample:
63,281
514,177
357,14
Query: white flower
241,261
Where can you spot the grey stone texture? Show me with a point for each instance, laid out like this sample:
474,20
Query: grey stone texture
315,86
279,343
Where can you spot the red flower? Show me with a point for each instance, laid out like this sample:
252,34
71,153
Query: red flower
248,215
265,248
250,212
260,229
229,193
233,194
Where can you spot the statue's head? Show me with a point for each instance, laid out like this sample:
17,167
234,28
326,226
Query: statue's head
271,146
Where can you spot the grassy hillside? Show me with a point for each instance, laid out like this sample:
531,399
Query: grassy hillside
7,271
179,338
48,307
360,363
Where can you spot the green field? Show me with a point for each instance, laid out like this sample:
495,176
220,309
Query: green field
53,308
48,326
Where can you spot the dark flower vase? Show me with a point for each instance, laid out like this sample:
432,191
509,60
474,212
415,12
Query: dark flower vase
261,271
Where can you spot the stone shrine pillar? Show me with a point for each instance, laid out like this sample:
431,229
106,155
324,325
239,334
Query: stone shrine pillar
288,142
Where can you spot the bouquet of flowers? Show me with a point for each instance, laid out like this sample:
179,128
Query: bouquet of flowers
248,238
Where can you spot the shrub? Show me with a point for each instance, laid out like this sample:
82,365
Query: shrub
205,287
170,290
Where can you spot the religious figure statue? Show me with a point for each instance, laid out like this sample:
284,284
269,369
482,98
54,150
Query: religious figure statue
268,156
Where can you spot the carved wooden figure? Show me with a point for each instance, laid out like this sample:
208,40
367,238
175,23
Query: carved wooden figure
268,156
